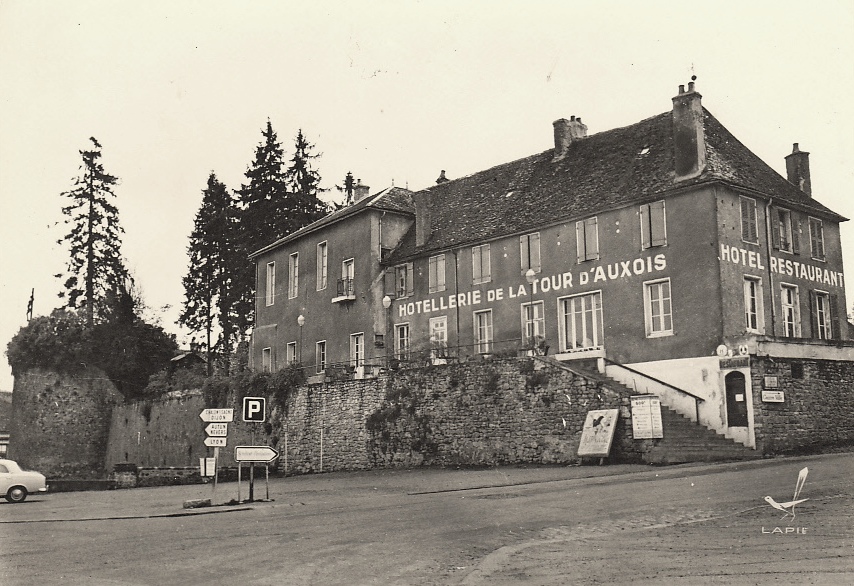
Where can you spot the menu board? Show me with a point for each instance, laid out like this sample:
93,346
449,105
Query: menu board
646,417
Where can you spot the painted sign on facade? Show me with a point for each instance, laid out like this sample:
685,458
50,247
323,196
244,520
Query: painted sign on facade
541,284
781,266
646,417
598,433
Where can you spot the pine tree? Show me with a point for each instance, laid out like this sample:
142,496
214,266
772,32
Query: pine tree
304,183
95,267
209,302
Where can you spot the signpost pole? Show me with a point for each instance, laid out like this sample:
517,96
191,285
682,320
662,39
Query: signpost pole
216,474
252,473
239,468
267,475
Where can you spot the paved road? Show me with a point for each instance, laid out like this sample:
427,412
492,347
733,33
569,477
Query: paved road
575,525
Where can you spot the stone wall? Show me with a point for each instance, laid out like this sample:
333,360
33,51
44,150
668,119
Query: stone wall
817,409
61,422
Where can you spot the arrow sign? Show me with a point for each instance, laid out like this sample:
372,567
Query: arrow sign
220,415
217,429
215,442
254,454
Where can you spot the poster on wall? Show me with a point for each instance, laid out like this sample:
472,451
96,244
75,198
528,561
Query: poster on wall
646,417
598,433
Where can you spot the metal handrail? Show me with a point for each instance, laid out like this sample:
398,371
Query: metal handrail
697,399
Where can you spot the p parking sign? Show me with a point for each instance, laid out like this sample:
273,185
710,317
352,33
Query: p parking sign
255,409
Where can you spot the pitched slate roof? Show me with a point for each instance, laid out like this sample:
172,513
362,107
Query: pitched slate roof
392,199
603,171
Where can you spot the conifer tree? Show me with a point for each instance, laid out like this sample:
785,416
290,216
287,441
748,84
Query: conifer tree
304,183
95,267
210,303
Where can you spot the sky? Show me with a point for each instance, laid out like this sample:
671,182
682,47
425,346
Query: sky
394,92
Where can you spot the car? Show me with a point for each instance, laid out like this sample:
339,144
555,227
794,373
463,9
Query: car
16,483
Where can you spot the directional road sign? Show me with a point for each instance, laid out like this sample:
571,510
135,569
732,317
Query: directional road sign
217,429
215,442
219,415
254,454
254,409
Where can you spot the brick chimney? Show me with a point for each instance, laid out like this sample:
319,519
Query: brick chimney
423,217
798,169
567,132
360,191
689,140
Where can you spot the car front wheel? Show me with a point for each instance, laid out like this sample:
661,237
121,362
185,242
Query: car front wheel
16,494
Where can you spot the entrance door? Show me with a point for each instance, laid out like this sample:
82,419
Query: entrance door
736,400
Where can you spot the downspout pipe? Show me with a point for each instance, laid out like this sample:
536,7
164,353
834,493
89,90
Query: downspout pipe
769,240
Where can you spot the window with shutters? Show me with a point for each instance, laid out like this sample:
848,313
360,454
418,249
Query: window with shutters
529,251
782,234
587,239
822,315
480,265
403,282
816,239
791,310
293,275
653,225
749,230
436,278
753,313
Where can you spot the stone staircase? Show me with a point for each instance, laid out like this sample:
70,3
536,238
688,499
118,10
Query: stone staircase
686,441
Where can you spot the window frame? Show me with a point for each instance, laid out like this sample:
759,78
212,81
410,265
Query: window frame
759,309
477,270
322,265
442,345
483,332
598,322
267,363
320,356
401,352
582,239
291,352
783,232
794,307
528,251
403,280
649,213
825,324
533,326
270,292
653,329
819,255
357,349
293,275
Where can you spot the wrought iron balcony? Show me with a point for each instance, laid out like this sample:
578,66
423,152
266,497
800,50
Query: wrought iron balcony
346,291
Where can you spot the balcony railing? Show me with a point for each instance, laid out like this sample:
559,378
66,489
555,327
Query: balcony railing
346,291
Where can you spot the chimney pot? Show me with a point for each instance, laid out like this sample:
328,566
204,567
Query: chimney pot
689,138
442,178
798,169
